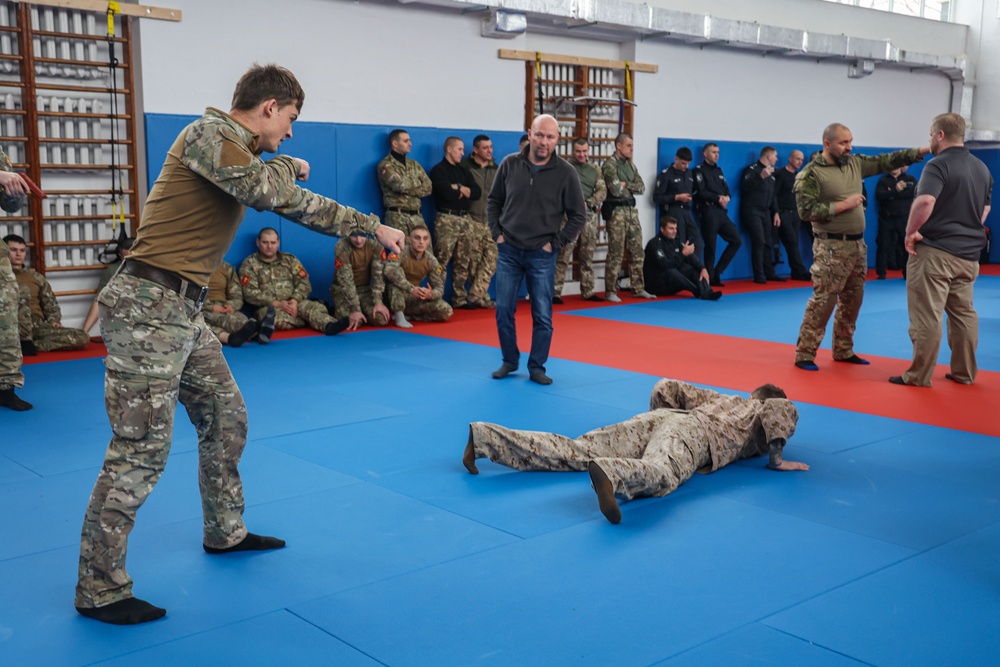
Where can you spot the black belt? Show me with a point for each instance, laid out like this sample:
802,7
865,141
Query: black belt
168,279
407,211
839,237
615,203
683,206
460,214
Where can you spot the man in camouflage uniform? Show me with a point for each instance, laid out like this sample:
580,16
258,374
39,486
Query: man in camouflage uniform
403,182
358,286
454,191
273,278
405,276
828,192
158,348
12,195
624,230
221,311
594,192
688,430
483,263
40,325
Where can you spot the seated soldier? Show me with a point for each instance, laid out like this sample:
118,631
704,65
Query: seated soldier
221,311
122,250
42,329
404,277
273,278
671,266
357,286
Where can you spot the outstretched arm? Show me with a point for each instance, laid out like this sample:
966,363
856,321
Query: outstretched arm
775,462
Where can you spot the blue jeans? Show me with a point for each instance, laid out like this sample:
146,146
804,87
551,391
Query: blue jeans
538,268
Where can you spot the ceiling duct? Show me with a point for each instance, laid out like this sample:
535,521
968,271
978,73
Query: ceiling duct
503,24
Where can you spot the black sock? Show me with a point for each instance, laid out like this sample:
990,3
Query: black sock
28,348
8,399
237,338
250,543
334,328
124,612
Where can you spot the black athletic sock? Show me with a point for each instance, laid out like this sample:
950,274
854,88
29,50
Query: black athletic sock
124,612
250,543
28,348
8,399
237,338
334,328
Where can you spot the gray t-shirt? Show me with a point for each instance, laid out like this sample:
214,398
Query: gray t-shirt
962,186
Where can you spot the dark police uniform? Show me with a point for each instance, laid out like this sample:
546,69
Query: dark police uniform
670,183
791,223
757,209
893,212
709,185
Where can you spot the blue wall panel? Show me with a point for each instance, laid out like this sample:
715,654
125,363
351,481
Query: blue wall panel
342,160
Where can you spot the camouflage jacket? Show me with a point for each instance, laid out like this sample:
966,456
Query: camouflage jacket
210,175
734,427
229,292
618,170
280,280
42,300
344,278
484,177
395,271
402,183
820,185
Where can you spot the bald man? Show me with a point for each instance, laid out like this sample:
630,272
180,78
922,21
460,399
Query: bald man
531,193
791,223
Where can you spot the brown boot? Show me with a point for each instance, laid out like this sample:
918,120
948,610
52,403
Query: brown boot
605,493
469,457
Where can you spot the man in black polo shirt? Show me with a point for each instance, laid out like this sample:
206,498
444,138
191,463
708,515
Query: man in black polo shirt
945,236
454,190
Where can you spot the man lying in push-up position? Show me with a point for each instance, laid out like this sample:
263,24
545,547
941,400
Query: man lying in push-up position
687,430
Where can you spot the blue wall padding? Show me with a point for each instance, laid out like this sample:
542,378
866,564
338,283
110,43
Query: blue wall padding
342,160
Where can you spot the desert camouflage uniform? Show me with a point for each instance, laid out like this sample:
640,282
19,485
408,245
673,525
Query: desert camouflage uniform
10,345
224,289
594,192
405,272
281,279
160,350
688,430
38,323
624,230
358,284
483,262
839,266
403,184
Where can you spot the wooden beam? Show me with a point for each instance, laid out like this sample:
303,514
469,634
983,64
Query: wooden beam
101,7
511,54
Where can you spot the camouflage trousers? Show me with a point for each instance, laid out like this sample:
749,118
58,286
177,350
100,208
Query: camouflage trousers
225,322
838,274
10,344
366,298
48,338
404,221
624,233
435,310
587,241
159,351
484,262
647,455
453,242
938,282
311,313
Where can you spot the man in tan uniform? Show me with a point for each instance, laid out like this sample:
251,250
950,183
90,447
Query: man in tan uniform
153,328
358,286
687,430
40,325
403,182
271,278
222,311
404,277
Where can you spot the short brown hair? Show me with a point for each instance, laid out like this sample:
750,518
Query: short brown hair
952,125
264,82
